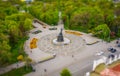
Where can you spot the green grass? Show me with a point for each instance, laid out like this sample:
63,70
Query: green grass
94,74
18,72
100,68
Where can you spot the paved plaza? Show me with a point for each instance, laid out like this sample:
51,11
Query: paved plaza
75,56
45,43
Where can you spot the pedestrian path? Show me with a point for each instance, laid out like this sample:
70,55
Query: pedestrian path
11,67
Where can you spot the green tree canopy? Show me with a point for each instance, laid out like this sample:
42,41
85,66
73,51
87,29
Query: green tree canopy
102,31
65,72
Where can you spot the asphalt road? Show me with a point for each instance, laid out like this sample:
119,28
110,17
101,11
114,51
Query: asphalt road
79,68
83,68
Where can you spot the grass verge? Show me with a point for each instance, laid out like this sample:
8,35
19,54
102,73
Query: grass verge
18,72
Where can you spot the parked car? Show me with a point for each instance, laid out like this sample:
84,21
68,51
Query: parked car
112,50
111,56
119,45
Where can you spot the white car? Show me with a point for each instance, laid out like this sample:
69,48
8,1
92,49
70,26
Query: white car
99,53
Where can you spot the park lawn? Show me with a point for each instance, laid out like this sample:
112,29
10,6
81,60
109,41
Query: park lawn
100,68
97,70
18,72
94,74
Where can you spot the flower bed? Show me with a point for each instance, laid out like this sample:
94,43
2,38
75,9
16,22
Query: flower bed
73,32
33,43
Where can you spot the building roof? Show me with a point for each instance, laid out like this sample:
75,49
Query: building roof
115,71
109,72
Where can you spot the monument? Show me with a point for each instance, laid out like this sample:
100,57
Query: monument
60,37
61,40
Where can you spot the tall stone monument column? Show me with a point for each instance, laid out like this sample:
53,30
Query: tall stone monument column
60,37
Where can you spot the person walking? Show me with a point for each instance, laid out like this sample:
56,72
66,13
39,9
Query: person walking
45,70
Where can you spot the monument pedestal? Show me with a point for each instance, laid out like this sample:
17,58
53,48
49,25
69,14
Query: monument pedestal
65,42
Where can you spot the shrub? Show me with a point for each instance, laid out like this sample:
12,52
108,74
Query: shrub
65,72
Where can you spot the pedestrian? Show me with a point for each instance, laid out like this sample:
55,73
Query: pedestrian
72,56
45,70
33,70
117,42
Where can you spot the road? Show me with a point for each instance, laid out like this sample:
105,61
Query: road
84,64
79,68
78,65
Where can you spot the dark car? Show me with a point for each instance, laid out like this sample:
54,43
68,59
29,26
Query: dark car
111,56
112,50
119,45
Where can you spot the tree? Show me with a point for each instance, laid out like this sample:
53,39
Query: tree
11,35
27,24
10,10
102,31
5,54
116,26
13,32
68,11
65,72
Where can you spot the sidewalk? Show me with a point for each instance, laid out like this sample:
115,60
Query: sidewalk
11,67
